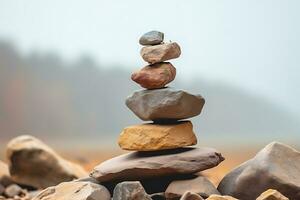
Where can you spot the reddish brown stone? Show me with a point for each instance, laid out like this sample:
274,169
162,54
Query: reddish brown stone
155,76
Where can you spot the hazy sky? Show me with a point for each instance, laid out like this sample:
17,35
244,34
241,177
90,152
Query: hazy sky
252,44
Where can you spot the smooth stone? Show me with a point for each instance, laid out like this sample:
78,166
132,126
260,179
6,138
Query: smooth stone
155,76
160,53
12,190
219,197
199,185
276,166
271,194
74,191
130,190
152,137
142,165
152,38
5,178
33,163
188,195
164,104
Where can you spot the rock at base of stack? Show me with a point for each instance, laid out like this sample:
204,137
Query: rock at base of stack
142,165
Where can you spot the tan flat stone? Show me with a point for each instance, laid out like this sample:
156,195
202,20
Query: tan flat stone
271,194
150,137
219,197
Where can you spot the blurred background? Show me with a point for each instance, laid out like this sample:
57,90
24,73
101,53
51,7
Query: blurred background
65,69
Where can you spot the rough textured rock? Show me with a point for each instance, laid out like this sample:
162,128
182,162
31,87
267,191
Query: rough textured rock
155,76
33,163
191,196
75,191
199,185
150,137
5,178
164,104
219,197
271,194
12,190
141,165
160,53
152,38
130,190
277,166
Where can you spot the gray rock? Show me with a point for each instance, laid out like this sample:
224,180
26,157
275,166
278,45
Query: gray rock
191,196
130,190
164,104
277,166
199,185
33,163
12,190
142,165
5,178
161,52
75,191
152,38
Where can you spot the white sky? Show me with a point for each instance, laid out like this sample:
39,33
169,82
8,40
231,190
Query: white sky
253,44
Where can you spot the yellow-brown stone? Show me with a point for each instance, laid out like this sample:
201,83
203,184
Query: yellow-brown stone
271,194
151,137
219,197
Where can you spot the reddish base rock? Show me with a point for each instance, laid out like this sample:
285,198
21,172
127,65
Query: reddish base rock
141,165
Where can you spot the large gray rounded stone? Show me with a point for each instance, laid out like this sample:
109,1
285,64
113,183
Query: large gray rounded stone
152,38
142,165
277,166
164,104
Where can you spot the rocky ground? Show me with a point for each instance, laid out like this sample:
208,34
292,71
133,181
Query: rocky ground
35,171
162,162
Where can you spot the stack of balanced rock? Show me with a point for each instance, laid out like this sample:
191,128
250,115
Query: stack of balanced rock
161,146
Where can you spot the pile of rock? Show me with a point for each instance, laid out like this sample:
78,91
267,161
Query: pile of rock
161,147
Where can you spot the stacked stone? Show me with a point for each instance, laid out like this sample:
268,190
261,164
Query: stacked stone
165,106
160,147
